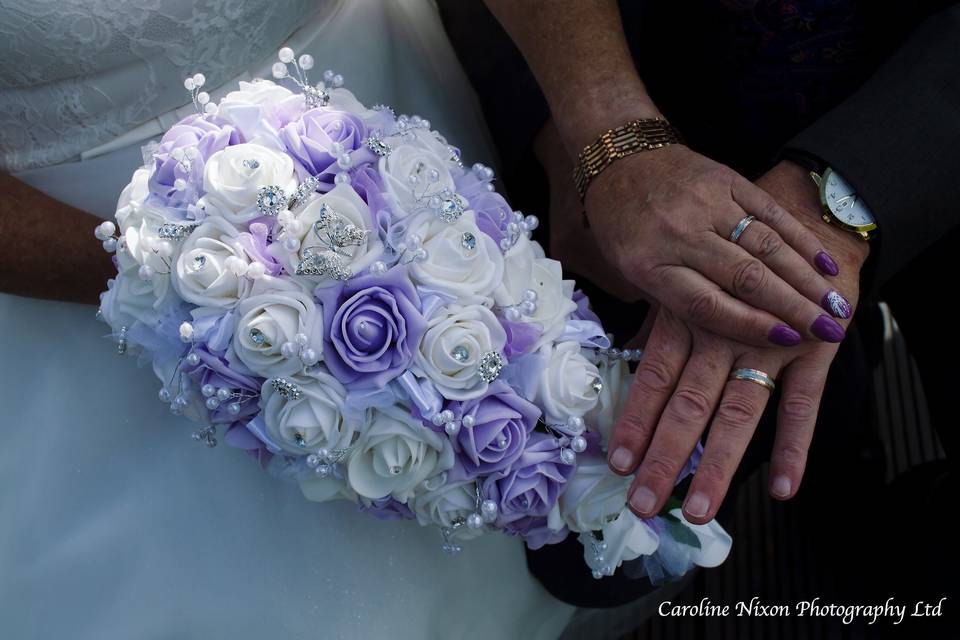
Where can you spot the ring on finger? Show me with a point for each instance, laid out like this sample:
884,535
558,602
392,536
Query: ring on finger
754,375
740,228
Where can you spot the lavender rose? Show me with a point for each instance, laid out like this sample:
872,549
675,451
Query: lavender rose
527,494
183,151
501,424
374,327
309,140
214,372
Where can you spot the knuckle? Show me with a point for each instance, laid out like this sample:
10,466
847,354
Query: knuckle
632,431
792,455
771,213
661,468
736,411
654,375
749,277
712,471
769,244
799,408
690,405
703,307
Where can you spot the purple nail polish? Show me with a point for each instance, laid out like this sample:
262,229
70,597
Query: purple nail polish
827,329
837,305
784,336
826,264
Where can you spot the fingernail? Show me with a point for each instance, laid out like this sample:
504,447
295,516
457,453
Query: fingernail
826,264
837,305
784,336
780,487
697,504
622,460
827,329
643,500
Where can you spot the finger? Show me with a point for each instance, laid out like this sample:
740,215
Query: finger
803,383
761,204
733,426
657,374
764,243
682,423
703,303
748,279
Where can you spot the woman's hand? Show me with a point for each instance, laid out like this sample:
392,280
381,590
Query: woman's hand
682,384
664,218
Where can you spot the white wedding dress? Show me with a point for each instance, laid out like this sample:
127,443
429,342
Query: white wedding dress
113,522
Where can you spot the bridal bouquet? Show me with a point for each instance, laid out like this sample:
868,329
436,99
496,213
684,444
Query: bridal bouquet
328,286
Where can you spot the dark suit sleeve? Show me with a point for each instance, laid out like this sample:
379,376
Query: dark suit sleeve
897,141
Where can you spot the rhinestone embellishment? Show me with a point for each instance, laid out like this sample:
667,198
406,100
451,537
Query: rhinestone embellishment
199,262
286,389
251,163
460,353
597,386
271,200
468,241
490,365
378,146
259,338
452,208
175,231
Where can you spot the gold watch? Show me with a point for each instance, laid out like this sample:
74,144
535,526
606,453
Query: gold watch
842,206
633,137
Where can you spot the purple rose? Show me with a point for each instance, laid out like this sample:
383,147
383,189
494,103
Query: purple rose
309,140
215,371
205,134
527,493
373,327
492,210
502,422
583,310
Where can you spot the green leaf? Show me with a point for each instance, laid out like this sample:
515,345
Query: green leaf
682,534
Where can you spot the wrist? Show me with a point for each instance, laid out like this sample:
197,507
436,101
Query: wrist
587,111
805,204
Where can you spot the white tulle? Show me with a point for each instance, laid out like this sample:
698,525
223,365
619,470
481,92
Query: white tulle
113,523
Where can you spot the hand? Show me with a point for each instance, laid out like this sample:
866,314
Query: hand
664,218
682,383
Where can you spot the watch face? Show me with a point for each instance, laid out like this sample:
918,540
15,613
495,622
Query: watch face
844,203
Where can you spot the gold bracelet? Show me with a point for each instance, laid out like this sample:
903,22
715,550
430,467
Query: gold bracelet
633,137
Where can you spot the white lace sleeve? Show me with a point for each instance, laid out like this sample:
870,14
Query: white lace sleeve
76,73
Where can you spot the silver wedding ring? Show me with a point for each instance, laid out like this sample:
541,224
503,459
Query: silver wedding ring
754,375
739,229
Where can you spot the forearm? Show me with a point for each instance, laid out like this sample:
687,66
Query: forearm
47,248
579,55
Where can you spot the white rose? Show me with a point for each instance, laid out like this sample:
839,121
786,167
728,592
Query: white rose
568,383
424,158
395,454
312,421
270,320
616,379
259,109
462,262
450,352
594,495
446,505
233,176
132,199
200,274
344,202
526,268
625,538
129,299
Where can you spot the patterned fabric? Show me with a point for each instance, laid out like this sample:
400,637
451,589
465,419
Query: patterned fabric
76,73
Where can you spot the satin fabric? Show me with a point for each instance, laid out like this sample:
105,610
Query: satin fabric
115,524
